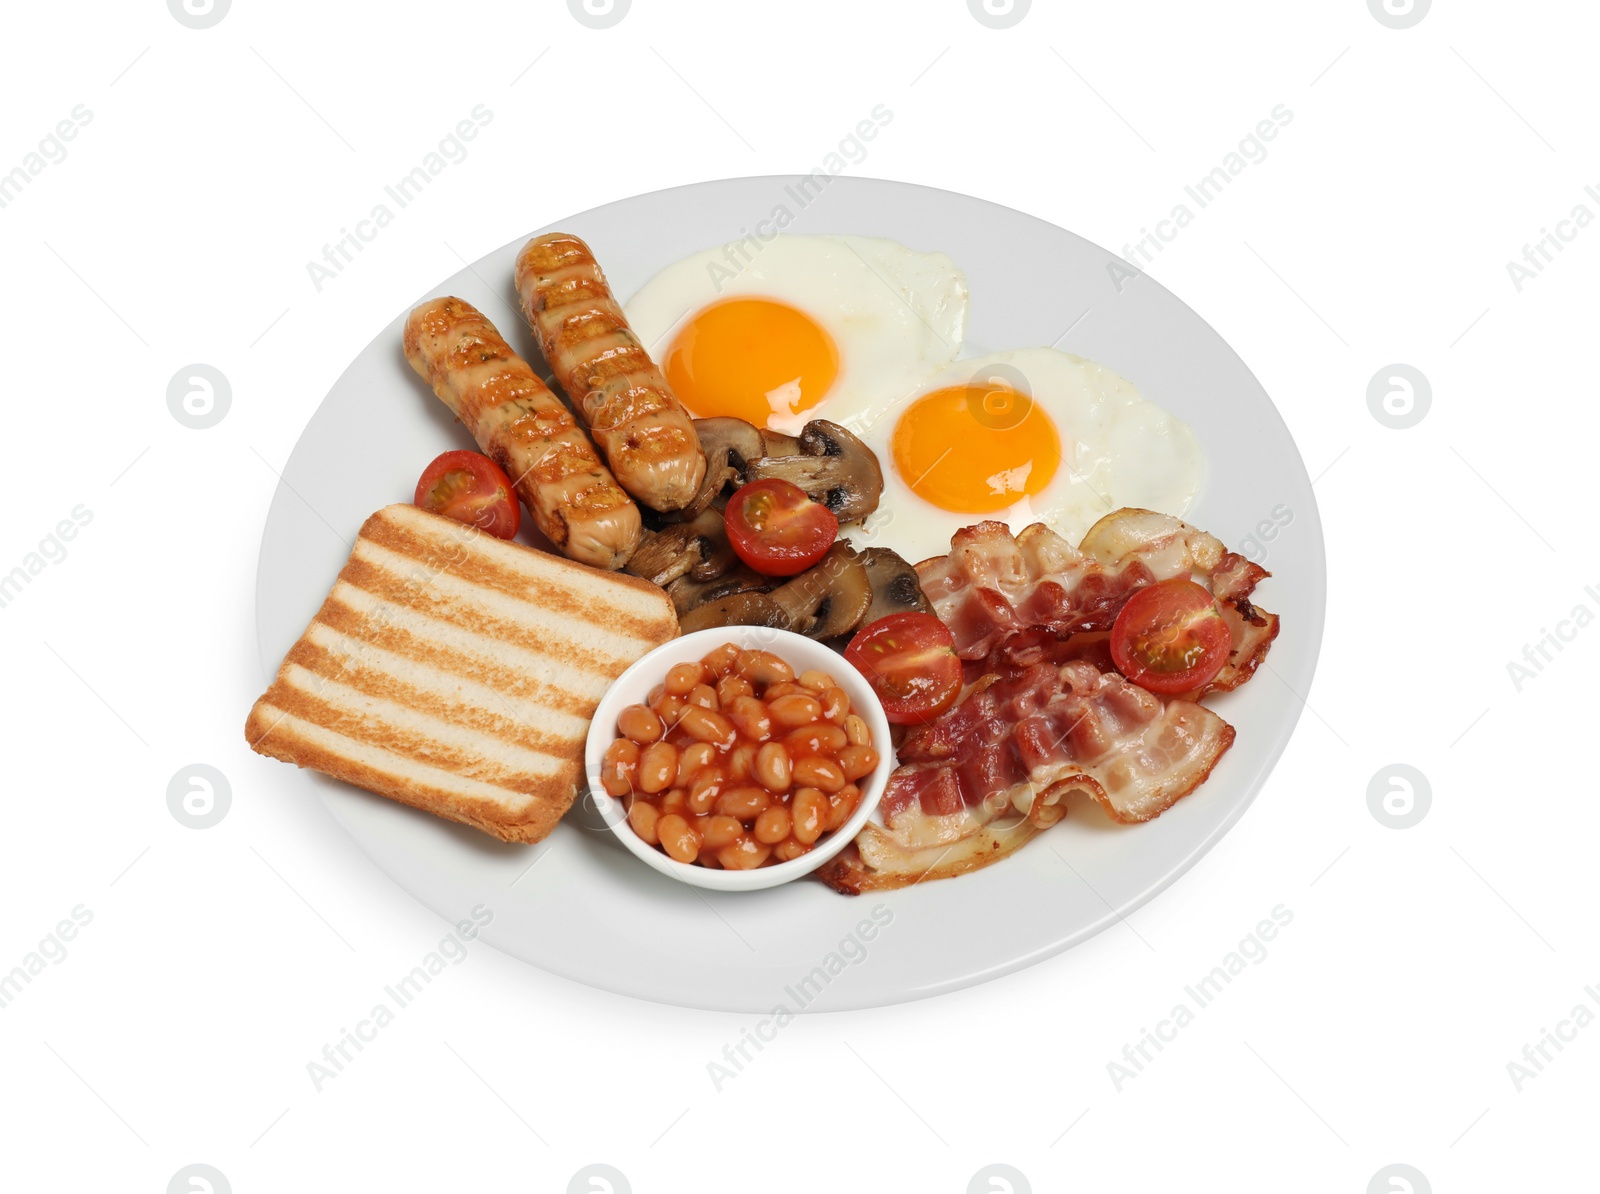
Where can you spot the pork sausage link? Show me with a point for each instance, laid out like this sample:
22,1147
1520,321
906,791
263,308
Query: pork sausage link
641,428
525,429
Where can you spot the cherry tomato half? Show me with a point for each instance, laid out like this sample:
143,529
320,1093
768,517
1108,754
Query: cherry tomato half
910,660
1171,637
471,488
776,529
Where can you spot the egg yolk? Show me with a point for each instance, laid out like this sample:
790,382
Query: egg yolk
975,449
751,358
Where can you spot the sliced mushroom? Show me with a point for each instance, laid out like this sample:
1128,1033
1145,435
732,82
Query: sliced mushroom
716,553
741,609
829,599
895,587
663,556
689,594
833,467
729,444
699,548
777,443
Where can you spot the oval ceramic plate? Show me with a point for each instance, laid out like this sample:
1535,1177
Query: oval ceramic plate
578,904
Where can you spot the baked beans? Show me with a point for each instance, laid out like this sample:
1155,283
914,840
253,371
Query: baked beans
763,667
658,767
813,771
734,761
750,715
640,724
816,681
722,660
817,739
773,768
795,710
619,766
696,757
683,678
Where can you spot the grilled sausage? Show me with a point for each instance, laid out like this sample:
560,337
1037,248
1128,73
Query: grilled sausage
637,422
525,429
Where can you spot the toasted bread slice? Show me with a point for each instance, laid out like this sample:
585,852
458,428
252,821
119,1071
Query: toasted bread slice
458,673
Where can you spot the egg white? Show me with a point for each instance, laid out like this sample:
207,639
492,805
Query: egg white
1117,449
897,316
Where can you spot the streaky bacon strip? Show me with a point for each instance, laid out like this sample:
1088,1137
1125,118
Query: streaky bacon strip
931,789
1045,713
993,585
877,862
1015,751
1043,724
1253,632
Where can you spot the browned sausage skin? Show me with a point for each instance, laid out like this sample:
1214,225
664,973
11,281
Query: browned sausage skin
525,429
637,422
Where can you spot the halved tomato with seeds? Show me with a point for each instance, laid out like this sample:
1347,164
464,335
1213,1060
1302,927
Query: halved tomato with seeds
1170,637
469,487
778,530
910,660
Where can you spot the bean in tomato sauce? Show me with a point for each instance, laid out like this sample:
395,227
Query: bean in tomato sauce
733,761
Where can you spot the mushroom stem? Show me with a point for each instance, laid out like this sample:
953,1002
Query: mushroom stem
729,445
698,548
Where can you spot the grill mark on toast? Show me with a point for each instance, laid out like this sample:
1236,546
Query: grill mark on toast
450,600
523,676
449,696
500,762
459,594
632,608
438,638
483,806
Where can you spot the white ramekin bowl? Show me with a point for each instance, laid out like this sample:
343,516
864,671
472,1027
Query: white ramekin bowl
800,653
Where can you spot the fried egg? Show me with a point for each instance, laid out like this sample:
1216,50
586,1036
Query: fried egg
782,330
1030,435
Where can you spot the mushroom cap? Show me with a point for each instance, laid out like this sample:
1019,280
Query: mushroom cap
699,548
729,444
716,552
690,594
828,599
833,467
778,443
740,609
895,587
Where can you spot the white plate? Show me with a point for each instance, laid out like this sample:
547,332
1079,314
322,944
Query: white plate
578,904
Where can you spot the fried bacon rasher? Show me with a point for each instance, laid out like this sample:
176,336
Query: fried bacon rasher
1045,713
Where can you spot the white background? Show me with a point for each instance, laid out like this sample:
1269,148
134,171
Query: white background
1419,962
